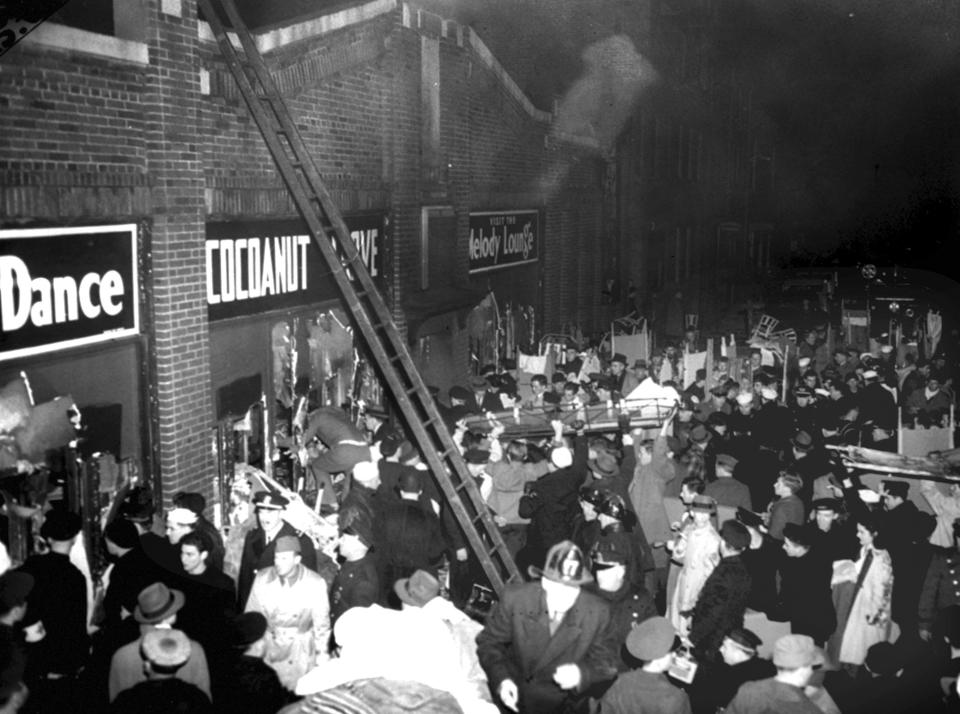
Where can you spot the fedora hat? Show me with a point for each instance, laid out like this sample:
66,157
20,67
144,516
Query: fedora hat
700,434
157,602
605,464
565,564
651,639
802,441
166,648
417,590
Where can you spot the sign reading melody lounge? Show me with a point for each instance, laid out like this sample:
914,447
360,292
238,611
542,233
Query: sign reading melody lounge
503,239
260,266
65,287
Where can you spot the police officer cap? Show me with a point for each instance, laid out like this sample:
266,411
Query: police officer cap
60,524
826,504
745,639
459,392
269,501
900,489
735,535
749,518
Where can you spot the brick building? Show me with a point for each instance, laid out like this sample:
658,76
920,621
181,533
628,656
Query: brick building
697,167
135,125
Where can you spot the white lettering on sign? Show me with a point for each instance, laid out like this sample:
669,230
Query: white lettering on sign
43,302
521,243
512,243
367,243
256,267
482,246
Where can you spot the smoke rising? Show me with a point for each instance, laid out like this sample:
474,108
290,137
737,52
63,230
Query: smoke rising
601,100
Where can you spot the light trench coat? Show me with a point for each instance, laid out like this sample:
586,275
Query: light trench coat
698,554
869,620
298,620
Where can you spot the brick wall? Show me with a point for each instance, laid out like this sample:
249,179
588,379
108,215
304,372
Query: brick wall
170,99
90,137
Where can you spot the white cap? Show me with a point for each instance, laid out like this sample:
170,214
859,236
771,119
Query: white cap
182,516
887,349
803,362
822,392
744,398
870,374
865,355
365,471
868,495
561,457
768,392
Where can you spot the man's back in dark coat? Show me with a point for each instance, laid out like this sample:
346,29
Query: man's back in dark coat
248,684
132,572
806,597
59,599
720,606
411,537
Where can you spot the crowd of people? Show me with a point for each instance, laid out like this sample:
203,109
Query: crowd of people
623,608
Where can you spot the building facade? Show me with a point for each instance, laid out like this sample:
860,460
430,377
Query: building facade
453,184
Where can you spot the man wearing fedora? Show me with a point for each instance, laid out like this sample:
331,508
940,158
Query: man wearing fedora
809,462
419,596
164,653
157,607
547,641
259,543
294,600
695,455
647,690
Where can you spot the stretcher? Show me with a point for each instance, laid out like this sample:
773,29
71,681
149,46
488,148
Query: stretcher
623,415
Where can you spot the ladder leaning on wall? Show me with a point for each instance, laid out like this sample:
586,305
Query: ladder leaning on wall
369,310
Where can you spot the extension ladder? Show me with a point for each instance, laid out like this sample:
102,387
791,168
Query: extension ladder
370,312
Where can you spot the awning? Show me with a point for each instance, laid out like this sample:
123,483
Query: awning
429,311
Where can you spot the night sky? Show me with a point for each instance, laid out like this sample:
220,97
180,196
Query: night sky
864,96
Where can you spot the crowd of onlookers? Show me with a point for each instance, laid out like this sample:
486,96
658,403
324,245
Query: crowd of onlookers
727,560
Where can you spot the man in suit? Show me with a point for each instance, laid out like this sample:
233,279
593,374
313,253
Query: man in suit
546,642
260,543
805,595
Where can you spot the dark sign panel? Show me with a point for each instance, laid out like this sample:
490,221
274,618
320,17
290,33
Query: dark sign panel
504,239
259,266
64,287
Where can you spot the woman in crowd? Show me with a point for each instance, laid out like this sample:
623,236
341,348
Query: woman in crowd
863,596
